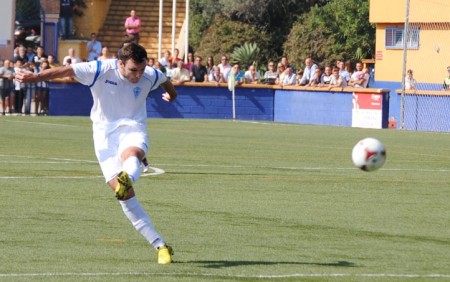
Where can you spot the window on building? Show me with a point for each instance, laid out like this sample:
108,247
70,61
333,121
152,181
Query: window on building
395,38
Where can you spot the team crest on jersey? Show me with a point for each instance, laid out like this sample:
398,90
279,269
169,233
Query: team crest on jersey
137,91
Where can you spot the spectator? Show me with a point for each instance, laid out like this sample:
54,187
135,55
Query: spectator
30,89
299,76
198,71
224,67
6,85
280,69
42,91
237,73
410,82
66,18
343,71
308,72
105,54
360,78
51,61
326,76
284,60
271,75
315,79
73,58
39,57
133,27
216,76
21,55
175,59
446,85
94,48
180,74
169,70
165,60
19,89
160,67
210,65
251,76
151,62
336,79
288,77
190,61
30,54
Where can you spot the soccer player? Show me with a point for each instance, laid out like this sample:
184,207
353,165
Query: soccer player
119,88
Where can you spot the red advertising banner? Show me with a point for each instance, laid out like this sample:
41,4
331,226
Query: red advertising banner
367,110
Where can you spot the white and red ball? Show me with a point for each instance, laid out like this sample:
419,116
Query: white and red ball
369,154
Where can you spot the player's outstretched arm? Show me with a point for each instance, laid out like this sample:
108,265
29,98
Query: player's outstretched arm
171,94
48,74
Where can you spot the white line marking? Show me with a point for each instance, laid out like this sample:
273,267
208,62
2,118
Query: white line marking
191,274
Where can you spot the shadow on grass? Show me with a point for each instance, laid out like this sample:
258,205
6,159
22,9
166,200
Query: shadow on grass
225,263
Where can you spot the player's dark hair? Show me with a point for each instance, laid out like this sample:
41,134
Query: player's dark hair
132,51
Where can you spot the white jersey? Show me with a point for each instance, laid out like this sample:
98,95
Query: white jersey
117,101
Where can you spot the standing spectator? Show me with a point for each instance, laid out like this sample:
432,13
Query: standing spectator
237,73
198,71
42,91
315,79
446,85
105,54
271,75
308,72
326,76
51,61
39,57
21,55
6,85
343,71
151,62
210,64
281,73
360,78
74,59
224,67
251,76
298,76
66,18
180,74
190,61
174,59
133,27
94,48
216,76
19,89
284,60
165,59
30,89
30,54
410,82
336,79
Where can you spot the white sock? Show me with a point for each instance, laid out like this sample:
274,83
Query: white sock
140,220
132,166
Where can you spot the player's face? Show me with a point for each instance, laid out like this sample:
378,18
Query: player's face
132,70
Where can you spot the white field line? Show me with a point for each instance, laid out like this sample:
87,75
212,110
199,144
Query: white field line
265,276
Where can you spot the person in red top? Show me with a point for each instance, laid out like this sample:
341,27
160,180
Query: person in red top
132,26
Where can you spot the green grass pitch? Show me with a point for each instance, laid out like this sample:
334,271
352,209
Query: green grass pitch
239,201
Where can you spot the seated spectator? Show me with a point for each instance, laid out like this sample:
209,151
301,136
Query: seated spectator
360,78
288,77
298,77
237,73
165,59
180,74
271,75
224,67
326,76
336,79
308,72
73,58
315,79
198,71
280,69
410,82
216,76
251,76
446,85
94,48
105,54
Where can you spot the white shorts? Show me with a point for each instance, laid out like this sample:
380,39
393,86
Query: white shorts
109,148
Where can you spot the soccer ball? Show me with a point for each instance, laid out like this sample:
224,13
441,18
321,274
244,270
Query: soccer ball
369,154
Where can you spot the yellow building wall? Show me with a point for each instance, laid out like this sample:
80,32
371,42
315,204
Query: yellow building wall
93,18
429,62
394,11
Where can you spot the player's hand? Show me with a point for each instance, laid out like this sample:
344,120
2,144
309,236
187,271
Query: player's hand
25,76
166,97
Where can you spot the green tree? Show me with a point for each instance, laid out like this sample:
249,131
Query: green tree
338,30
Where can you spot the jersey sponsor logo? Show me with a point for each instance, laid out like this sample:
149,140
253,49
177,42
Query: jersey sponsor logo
111,82
137,91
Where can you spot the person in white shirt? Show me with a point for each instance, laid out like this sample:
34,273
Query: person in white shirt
251,76
119,89
74,59
410,82
224,67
